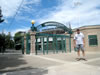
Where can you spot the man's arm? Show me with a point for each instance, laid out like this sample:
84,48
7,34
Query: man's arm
84,42
74,43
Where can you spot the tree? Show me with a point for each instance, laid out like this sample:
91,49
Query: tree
2,42
9,41
18,40
6,42
1,20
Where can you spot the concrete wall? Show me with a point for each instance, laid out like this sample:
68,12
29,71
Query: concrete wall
89,30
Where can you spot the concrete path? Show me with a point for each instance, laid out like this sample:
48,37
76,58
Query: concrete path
73,68
51,64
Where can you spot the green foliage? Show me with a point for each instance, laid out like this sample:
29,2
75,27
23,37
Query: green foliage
1,20
2,42
18,40
6,42
9,41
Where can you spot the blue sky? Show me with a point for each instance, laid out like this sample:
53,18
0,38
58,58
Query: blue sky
77,12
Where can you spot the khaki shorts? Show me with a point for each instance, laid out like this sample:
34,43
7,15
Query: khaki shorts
79,47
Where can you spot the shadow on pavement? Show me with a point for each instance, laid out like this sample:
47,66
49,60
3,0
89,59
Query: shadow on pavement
10,61
26,71
16,63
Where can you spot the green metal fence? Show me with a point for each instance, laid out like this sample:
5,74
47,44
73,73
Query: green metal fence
47,43
22,45
28,43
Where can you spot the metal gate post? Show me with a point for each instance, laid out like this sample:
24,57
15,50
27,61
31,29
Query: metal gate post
62,43
70,42
56,45
47,44
22,45
36,44
65,45
43,45
53,45
27,44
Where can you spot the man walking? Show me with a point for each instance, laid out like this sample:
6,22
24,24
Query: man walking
79,44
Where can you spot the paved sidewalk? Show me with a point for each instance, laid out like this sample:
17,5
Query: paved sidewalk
74,69
51,64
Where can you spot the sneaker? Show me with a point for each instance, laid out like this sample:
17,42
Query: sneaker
84,59
78,59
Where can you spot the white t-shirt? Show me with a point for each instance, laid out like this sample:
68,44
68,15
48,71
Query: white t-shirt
79,38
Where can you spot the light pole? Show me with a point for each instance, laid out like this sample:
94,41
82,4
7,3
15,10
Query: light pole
33,28
33,22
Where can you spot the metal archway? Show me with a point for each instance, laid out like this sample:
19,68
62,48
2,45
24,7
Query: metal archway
46,41
52,25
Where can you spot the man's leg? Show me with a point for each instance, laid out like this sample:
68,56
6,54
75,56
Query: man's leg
82,48
78,50
78,53
83,52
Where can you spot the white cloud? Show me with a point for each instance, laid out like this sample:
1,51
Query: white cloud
9,7
83,13
24,29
